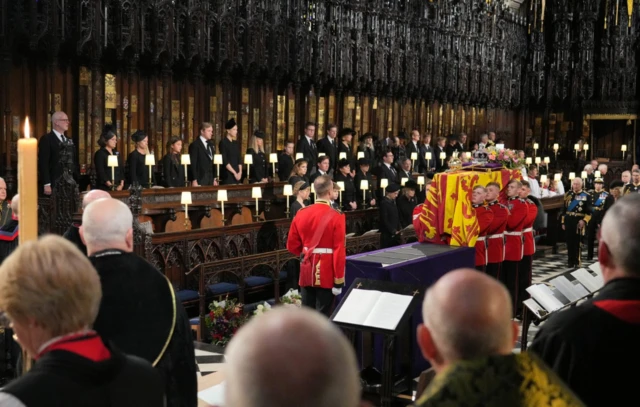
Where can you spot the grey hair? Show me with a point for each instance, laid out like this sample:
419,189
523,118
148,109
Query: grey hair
601,166
103,228
588,167
621,233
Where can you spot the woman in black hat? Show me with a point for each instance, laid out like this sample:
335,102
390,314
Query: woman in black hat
367,146
349,194
346,138
301,191
108,142
172,169
259,168
138,172
299,172
231,171
407,202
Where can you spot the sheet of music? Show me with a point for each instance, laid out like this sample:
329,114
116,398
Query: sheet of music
585,278
573,292
373,308
545,297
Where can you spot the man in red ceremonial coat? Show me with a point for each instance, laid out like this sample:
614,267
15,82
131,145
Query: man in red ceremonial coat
318,234
514,246
485,217
526,264
495,238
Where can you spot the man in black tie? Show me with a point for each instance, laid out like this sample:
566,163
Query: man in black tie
329,146
307,146
413,147
405,171
49,146
425,147
201,152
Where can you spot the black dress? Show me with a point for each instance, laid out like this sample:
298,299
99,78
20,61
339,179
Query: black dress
349,193
230,155
172,171
389,223
295,207
405,209
297,178
137,172
103,171
142,316
259,168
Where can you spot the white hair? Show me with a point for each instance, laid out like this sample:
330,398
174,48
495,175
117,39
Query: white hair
621,233
291,357
15,204
602,167
588,167
106,222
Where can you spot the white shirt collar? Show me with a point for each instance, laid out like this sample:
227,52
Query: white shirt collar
204,141
58,134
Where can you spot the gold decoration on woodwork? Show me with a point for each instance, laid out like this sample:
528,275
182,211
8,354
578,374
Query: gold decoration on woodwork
351,102
630,10
332,108
280,120
175,117
292,119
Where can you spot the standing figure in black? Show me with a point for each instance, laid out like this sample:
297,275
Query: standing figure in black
412,147
307,146
201,152
367,147
425,147
108,142
602,201
407,202
259,168
138,172
634,185
576,215
329,146
349,194
172,168
345,149
363,174
389,218
232,166
49,146
285,162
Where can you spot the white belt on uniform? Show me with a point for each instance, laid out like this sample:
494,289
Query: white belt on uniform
527,230
498,236
322,251
481,238
513,233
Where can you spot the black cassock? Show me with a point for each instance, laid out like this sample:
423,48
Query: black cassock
590,346
142,316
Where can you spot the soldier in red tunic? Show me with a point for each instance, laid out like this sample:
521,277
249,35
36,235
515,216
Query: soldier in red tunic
318,233
514,247
526,264
485,217
495,238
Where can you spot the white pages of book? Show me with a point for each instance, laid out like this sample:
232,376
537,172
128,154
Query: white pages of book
213,396
545,297
587,279
373,309
595,267
573,292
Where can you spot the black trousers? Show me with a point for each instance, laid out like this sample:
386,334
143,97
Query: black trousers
493,269
387,240
592,232
509,277
573,241
524,281
320,299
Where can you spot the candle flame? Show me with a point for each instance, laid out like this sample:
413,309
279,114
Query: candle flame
26,128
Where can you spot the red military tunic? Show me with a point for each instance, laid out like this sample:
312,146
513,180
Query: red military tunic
323,265
496,232
514,248
485,217
529,241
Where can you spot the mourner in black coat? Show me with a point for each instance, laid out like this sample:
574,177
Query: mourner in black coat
172,169
406,203
286,162
389,218
259,171
106,178
349,194
137,171
363,174
307,146
49,160
201,152
231,171
329,146
345,149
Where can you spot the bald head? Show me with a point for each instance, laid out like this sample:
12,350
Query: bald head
467,315
620,235
291,357
94,195
107,224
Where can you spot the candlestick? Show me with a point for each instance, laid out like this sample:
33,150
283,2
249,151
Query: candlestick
217,160
222,198
420,182
583,175
112,161
572,175
543,179
576,147
384,183
299,156
547,160
598,174
341,186
528,161
556,147
427,157
273,159
535,148
342,156
468,155
364,186
313,192
624,150
414,157
248,160
185,160
256,192
538,160
403,180
150,161
185,199
28,186
557,177
361,154
443,155
321,154
287,191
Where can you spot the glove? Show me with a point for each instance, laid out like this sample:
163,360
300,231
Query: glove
336,291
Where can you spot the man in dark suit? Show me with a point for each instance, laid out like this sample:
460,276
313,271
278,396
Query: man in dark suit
389,218
285,162
329,146
307,146
201,152
405,171
413,147
323,168
425,147
49,146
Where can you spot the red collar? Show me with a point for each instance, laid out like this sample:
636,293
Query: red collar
625,310
85,344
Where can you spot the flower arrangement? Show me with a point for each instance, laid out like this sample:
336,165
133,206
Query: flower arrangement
291,299
508,158
262,308
224,320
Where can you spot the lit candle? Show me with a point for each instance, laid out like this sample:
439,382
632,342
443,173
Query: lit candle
256,192
468,155
112,161
299,156
414,157
222,198
585,147
584,175
576,147
384,183
273,159
598,174
364,185
443,155
624,148
427,157
361,154
403,181
572,175
420,181
186,201
248,160
217,160
321,155
150,161
547,160
535,148
341,186
528,161
28,185
543,179
287,191
556,147
538,160
185,160
342,156
557,177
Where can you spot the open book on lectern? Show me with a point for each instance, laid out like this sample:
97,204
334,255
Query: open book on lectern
560,291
